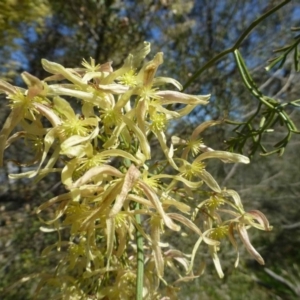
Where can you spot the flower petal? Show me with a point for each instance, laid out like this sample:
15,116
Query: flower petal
202,127
210,181
110,232
190,184
150,69
194,252
261,219
48,113
90,97
114,88
233,242
170,97
167,151
7,87
76,139
63,107
105,169
130,178
245,239
55,68
216,260
157,81
225,156
235,196
185,221
151,195
155,239
10,123
144,144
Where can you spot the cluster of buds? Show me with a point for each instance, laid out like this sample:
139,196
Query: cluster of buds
102,150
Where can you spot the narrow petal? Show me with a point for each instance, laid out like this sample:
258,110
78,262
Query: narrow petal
48,142
163,143
155,239
130,178
7,88
261,219
105,169
141,110
185,111
110,232
113,88
216,260
185,221
190,184
235,196
150,69
151,195
91,75
10,123
48,113
49,166
63,107
157,81
234,243
194,252
67,172
55,68
86,96
202,127
245,239
76,139
122,241
225,156
76,151
171,97
210,181
144,144
140,200
169,201
121,153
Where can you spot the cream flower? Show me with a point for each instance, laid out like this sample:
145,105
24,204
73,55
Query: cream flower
117,195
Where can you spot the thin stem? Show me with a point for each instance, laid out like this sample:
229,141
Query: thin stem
140,258
236,45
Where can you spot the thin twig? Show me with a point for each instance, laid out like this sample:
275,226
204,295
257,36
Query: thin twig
236,45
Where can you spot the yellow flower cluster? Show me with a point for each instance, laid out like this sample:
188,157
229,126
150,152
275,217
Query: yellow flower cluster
103,154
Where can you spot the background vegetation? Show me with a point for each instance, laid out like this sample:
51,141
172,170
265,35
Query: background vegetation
190,33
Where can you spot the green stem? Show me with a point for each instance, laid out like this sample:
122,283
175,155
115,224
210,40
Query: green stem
140,258
236,45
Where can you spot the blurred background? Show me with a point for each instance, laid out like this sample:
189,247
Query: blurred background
190,33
